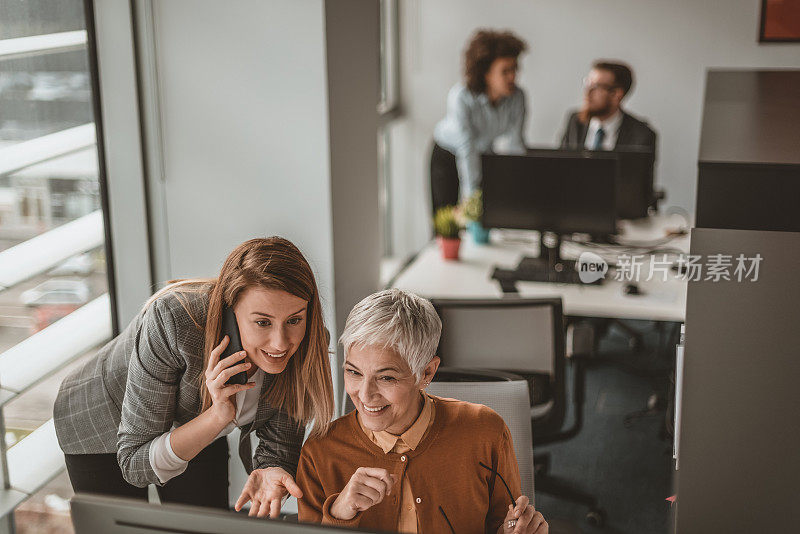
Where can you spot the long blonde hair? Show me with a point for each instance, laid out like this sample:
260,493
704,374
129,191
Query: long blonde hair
304,389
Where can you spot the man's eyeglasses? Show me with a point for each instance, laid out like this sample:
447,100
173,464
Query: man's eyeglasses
589,87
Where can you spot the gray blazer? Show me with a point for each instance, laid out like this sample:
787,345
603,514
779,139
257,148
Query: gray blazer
146,379
633,133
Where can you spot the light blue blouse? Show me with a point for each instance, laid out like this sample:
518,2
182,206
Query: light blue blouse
471,127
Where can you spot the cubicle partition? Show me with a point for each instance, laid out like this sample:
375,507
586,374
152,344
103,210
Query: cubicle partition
740,430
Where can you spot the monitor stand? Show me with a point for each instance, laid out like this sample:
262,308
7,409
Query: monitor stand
548,267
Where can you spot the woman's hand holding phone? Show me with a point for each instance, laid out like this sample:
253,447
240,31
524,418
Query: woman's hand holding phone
217,373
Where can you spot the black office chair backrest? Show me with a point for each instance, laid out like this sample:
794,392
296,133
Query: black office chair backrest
518,335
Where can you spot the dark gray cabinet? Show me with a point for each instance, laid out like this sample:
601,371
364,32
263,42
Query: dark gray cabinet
749,161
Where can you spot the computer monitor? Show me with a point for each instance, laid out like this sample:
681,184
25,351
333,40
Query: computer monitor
557,194
92,514
561,193
635,176
635,190
740,196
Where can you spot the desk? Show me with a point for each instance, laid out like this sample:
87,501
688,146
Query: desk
430,276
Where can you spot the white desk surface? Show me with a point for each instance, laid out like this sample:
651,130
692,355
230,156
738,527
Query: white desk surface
470,277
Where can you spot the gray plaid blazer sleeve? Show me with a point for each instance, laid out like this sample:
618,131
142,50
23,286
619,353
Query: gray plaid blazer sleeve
148,409
279,441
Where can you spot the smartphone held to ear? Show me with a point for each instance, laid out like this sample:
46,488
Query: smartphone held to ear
230,328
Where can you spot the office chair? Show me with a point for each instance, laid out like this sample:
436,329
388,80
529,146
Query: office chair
506,394
525,337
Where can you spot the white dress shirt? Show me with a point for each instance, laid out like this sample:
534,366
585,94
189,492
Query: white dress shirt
168,465
471,127
610,127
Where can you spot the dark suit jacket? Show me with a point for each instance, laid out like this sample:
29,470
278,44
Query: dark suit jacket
633,133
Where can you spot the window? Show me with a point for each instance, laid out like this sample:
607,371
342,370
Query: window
54,302
389,110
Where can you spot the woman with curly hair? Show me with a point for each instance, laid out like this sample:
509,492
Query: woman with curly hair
486,106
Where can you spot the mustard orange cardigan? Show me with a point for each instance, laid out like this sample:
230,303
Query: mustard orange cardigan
453,492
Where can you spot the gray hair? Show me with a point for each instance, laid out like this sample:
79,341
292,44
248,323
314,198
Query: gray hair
395,319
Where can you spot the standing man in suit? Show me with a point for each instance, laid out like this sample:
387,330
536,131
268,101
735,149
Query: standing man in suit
602,124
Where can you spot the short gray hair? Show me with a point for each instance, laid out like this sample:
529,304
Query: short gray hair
395,319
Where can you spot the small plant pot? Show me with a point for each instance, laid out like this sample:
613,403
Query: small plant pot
479,234
449,247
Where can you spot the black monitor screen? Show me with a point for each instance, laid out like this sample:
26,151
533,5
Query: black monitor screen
634,183
559,193
635,190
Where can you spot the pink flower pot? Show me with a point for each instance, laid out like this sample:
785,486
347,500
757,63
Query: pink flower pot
449,247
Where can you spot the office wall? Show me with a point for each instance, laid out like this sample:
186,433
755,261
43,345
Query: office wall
267,122
264,119
352,37
242,99
669,44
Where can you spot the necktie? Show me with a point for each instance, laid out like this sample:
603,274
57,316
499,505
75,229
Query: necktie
598,139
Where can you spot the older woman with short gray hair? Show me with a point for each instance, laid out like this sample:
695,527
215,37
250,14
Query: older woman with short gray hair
403,460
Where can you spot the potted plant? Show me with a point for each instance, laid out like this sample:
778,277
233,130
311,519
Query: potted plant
446,226
473,210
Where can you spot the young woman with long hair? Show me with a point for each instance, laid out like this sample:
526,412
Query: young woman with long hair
154,406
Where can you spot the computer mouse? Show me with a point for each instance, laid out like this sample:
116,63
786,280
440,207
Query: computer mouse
679,268
631,289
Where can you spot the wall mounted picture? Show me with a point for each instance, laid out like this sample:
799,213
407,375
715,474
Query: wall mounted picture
780,21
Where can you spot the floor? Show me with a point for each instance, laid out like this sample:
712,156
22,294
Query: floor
627,468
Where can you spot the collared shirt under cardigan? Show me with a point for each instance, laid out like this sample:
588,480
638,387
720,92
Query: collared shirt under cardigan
147,379
407,441
450,488
472,125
